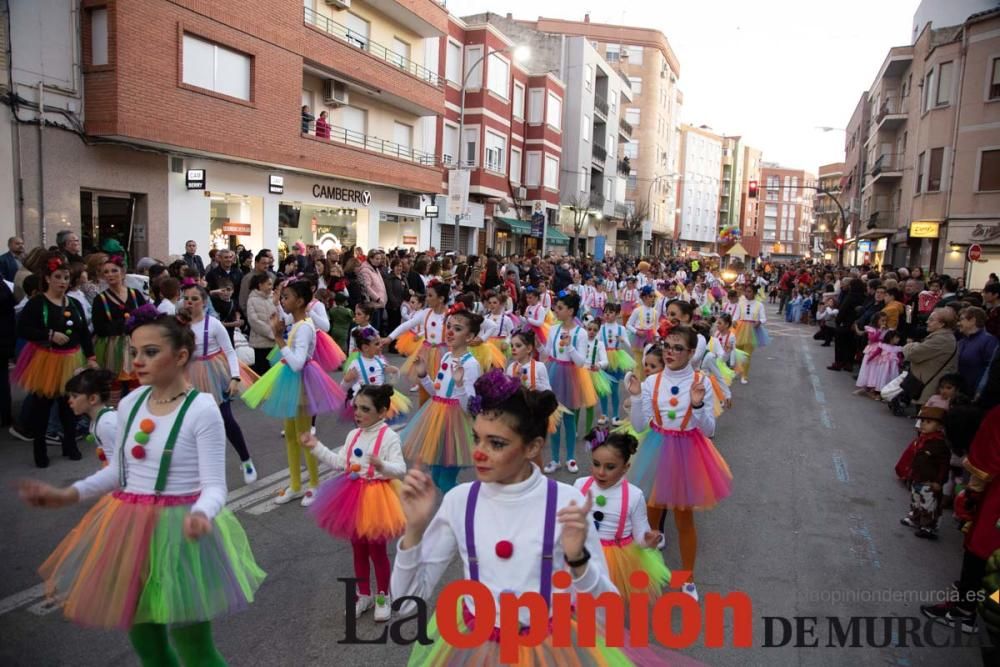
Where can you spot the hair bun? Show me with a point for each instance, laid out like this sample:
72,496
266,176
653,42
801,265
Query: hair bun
144,314
184,316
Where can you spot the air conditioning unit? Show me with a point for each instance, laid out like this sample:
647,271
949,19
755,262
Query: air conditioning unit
335,93
340,4
522,192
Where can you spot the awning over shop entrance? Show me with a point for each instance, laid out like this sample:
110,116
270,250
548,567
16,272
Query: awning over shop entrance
556,237
519,227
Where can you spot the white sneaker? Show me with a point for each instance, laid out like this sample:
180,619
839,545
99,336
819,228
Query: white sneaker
743,380
551,467
414,388
383,610
572,467
282,433
308,498
662,542
249,472
690,589
286,495
363,604
312,429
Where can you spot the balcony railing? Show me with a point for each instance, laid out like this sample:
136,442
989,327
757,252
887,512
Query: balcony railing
888,106
626,127
601,105
342,135
359,41
600,153
621,209
597,199
887,162
884,219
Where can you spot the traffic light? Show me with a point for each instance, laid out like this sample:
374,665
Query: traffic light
752,190
839,241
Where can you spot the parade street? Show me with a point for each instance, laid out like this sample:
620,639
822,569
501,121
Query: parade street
811,530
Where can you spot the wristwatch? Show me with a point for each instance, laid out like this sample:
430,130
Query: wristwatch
582,560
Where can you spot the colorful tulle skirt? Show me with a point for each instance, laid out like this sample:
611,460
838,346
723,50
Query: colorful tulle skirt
408,343
210,375
541,333
620,362
431,355
602,383
627,308
328,354
627,557
571,384
359,508
42,370
439,434
112,353
128,562
489,354
281,391
680,469
750,337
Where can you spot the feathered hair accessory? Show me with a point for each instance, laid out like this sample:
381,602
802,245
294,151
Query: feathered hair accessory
54,264
457,308
492,390
142,315
189,282
118,260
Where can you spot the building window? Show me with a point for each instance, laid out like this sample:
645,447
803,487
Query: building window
536,105
450,145
944,83
358,30
920,174
518,109
934,168
585,128
553,112
533,169
496,151
474,66
633,179
994,91
582,180
99,36
551,172
355,121
470,140
588,76
408,200
631,150
634,55
515,165
929,82
453,63
498,74
613,53
400,56
636,82
216,68
402,135
989,171
632,117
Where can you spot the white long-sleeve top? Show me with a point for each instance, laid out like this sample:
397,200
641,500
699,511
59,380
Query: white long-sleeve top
218,339
391,452
597,354
496,326
545,298
533,375
615,336
371,370
105,429
643,318
629,295
440,381
300,346
535,315
198,463
751,311
314,311
732,309
673,404
699,352
500,515
575,350
636,521
726,342
431,323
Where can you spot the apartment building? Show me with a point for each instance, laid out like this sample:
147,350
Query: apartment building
202,124
750,235
932,181
785,219
645,57
827,203
699,189
855,168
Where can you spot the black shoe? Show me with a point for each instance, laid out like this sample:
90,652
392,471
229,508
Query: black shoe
20,433
53,439
826,345
951,614
41,457
72,453
926,533
834,367
907,521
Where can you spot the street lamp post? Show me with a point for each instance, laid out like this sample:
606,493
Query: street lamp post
521,54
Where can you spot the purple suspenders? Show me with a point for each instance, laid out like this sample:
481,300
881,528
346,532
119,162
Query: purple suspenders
548,542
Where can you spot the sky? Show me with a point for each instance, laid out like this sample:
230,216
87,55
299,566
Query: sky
771,71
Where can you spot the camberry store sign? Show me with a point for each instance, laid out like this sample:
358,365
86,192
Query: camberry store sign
337,193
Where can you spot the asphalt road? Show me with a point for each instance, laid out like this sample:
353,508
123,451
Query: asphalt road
811,530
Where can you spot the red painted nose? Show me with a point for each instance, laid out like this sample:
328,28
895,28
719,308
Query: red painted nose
479,457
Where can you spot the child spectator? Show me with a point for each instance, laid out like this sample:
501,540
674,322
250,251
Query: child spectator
341,319
827,317
924,467
225,308
170,291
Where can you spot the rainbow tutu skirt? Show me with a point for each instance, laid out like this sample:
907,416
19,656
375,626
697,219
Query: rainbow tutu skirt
328,354
128,562
620,362
431,354
408,343
489,354
210,375
541,333
359,508
749,337
602,382
112,353
42,370
439,434
626,557
571,384
680,469
280,392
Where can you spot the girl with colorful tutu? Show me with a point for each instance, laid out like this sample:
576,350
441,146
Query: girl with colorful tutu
329,355
629,298
215,369
439,435
111,309
643,324
751,316
368,367
158,555
88,393
362,503
620,361
362,320
535,315
57,344
723,343
597,361
678,467
498,325
431,321
566,351
619,516
874,333
296,389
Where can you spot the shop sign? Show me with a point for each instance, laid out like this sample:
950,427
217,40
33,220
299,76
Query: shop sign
975,252
276,184
363,197
431,211
458,192
921,229
865,246
195,179
409,239
236,229
537,225
881,245
985,232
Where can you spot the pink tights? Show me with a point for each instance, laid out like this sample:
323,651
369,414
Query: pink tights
365,550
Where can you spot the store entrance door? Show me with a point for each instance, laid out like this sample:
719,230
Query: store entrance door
104,216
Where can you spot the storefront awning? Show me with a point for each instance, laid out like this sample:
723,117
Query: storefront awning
520,227
556,237
877,233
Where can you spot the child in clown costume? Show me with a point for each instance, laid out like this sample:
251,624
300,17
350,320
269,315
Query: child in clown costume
620,360
597,362
535,315
368,367
110,311
643,324
750,318
431,320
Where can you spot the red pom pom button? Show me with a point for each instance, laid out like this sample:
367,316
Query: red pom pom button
139,452
504,549
147,425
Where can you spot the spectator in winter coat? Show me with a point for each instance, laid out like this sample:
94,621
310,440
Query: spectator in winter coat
370,275
307,118
396,292
976,348
322,126
935,355
260,308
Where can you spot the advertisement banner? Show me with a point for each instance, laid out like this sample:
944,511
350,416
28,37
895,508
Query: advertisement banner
458,192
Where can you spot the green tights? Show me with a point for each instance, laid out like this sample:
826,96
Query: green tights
193,642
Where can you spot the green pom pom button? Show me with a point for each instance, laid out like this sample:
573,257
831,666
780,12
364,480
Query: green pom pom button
90,438
601,501
142,438
671,414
